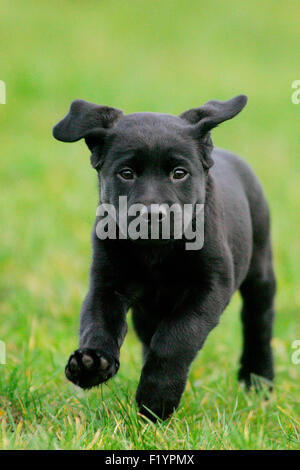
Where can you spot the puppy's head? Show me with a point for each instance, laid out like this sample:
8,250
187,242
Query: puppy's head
150,158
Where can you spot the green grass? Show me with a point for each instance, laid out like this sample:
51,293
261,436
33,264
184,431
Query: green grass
162,56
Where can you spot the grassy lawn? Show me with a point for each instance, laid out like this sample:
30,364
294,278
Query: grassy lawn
164,56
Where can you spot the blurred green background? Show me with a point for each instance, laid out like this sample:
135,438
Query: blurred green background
161,56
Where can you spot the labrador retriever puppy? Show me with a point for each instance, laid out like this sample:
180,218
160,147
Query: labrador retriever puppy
176,295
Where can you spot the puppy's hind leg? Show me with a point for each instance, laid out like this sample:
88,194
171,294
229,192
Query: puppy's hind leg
258,291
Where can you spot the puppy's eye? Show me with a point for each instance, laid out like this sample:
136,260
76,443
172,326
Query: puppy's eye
127,174
179,174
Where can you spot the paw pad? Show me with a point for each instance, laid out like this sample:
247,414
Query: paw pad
88,367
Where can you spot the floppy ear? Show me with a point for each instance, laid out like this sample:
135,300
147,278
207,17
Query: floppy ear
89,121
210,115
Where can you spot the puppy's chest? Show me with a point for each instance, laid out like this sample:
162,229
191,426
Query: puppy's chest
151,296
154,287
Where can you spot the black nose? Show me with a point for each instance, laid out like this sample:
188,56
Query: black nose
155,212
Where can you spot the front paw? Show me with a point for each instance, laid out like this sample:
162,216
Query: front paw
89,367
156,400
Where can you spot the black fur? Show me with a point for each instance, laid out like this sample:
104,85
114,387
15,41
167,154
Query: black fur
176,296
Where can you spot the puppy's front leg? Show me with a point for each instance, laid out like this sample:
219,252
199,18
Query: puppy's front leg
172,350
102,330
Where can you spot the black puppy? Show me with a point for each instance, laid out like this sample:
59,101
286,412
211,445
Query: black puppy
176,295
